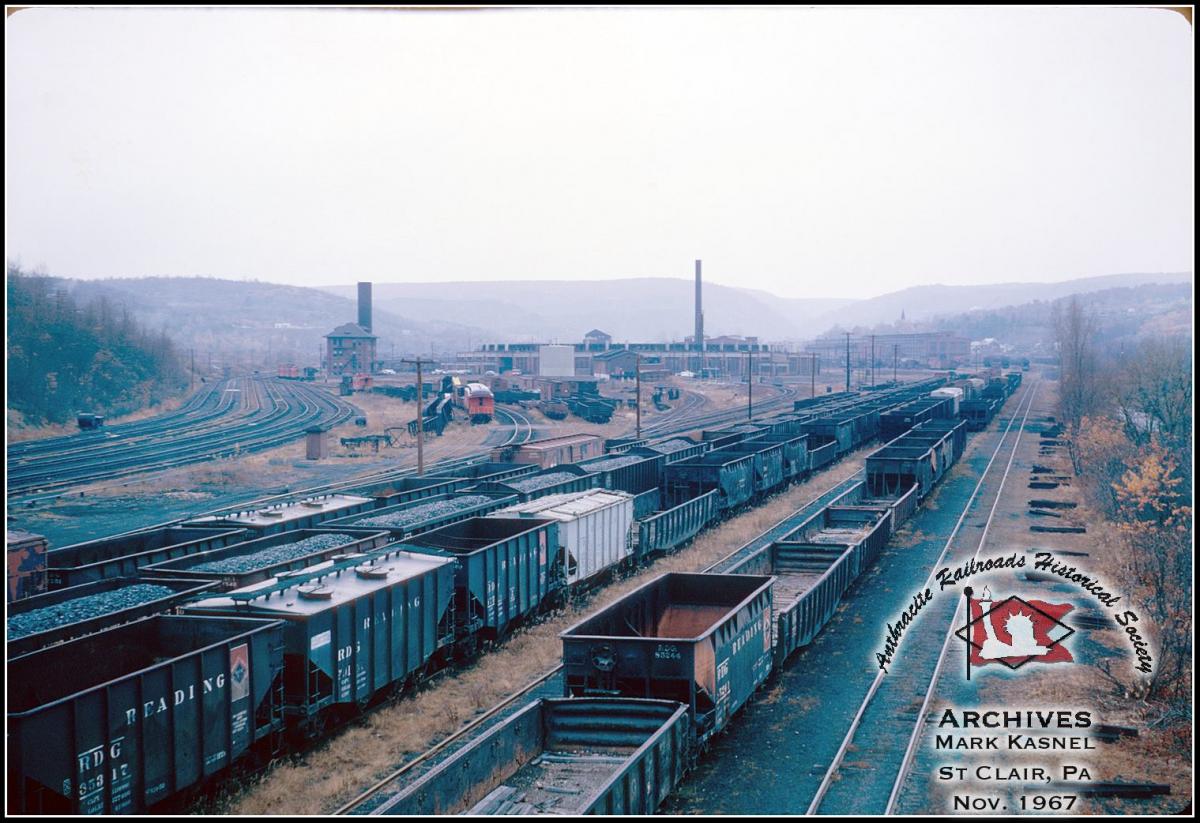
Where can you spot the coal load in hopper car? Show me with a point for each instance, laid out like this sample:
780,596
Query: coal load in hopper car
125,555
256,560
426,514
634,471
65,614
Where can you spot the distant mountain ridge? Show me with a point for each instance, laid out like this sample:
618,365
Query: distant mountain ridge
646,308
926,302
250,322
656,308
256,324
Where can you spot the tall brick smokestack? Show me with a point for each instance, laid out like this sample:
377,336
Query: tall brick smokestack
699,308
364,305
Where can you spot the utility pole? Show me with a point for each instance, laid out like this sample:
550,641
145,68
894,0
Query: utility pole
420,416
895,359
192,373
872,361
639,394
847,361
750,384
812,392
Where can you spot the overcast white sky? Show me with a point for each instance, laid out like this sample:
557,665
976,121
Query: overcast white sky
813,153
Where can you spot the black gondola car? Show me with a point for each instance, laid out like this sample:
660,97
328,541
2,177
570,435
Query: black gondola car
634,471
813,567
795,453
504,570
703,640
730,475
769,475
620,756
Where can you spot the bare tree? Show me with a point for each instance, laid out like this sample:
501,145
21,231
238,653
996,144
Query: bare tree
1134,455
1079,385
1153,392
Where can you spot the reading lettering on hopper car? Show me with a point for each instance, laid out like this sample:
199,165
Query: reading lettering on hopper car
180,696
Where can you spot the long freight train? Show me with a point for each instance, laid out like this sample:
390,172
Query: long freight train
293,616
652,677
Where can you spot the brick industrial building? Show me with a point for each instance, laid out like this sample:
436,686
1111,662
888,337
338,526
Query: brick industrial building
722,357
350,349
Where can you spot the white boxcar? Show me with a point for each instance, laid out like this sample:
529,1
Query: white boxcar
556,361
593,528
949,391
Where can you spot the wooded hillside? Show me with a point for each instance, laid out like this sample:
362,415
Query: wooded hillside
66,357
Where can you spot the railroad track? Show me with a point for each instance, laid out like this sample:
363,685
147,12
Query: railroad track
522,433
200,406
676,424
278,413
885,731
376,799
239,400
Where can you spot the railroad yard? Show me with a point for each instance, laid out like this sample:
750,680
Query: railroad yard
847,548
379,444
76,505
702,492
835,508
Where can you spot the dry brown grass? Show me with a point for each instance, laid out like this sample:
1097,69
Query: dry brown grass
272,467
18,430
349,762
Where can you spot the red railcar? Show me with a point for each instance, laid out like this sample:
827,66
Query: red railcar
479,402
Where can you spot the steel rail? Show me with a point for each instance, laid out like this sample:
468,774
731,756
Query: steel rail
826,781
911,749
287,410
191,406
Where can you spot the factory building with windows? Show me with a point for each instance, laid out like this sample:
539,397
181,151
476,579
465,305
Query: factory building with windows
722,358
